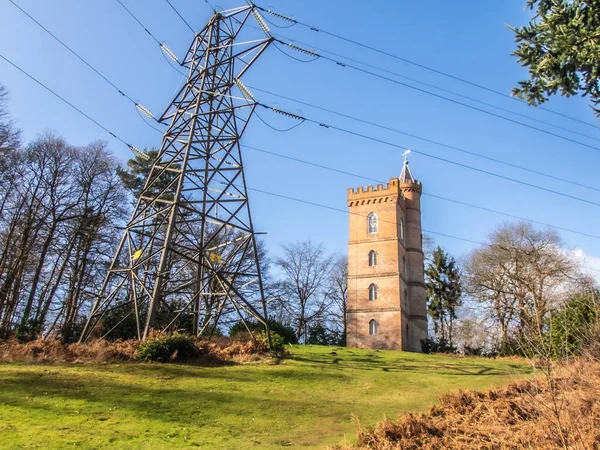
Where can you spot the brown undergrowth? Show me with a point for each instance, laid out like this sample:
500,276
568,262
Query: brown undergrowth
206,351
562,412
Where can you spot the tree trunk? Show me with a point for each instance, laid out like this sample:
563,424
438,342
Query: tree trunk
37,274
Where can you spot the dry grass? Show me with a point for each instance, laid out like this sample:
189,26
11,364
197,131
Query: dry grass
213,351
518,416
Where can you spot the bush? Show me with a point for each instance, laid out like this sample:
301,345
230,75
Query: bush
429,345
29,331
167,348
320,335
570,327
276,340
284,332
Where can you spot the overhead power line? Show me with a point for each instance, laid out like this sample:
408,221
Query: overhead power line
441,144
347,212
286,41
180,16
433,94
471,205
425,193
343,64
428,155
416,64
27,74
137,105
162,46
414,80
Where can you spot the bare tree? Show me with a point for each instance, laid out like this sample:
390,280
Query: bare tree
10,136
103,203
338,292
520,275
305,268
59,202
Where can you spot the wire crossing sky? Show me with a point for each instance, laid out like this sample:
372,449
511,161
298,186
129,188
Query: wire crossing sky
460,50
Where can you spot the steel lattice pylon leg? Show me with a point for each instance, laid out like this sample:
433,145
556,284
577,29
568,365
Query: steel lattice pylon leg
190,242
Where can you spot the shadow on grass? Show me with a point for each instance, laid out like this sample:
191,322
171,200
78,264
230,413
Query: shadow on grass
373,361
163,402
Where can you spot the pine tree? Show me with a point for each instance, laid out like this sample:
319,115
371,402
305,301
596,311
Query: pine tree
561,48
444,295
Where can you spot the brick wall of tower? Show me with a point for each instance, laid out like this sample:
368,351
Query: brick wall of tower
398,273
417,297
387,202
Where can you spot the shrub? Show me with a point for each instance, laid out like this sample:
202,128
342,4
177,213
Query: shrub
570,327
167,348
29,331
320,335
429,345
286,333
276,340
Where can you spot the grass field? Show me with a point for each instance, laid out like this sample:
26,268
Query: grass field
303,402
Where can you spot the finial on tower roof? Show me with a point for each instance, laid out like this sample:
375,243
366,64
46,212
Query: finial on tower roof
406,175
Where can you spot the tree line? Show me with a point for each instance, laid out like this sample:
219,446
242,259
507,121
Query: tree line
522,289
61,210
59,205
62,207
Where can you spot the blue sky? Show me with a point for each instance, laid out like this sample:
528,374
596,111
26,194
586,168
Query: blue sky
467,39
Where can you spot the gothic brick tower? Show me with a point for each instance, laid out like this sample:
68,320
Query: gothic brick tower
386,288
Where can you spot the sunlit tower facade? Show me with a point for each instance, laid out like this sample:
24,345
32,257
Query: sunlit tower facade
386,286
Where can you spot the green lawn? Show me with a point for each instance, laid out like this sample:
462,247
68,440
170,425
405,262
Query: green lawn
303,402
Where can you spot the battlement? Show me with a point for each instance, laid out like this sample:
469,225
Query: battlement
377,194
412,186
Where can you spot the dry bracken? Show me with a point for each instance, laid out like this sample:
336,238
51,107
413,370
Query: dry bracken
520,415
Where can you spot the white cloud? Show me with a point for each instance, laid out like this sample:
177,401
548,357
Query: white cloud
589,263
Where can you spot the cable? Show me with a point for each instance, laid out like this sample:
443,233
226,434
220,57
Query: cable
422,66
293,57
425,91
277,129
139,23
180,16
279,36
162,46
170,62
136,104
279,26
383,127
150,125
210,6
332,208
466,166
373,180
442,89
131,147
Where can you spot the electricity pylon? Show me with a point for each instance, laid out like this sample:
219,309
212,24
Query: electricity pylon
190,241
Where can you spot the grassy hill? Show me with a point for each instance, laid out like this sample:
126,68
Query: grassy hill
303,402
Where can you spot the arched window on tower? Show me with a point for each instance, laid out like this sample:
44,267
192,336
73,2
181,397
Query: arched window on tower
373,326
402,229
372,258
372,292
372,223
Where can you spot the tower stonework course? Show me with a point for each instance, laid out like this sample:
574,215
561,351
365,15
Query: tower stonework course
386,287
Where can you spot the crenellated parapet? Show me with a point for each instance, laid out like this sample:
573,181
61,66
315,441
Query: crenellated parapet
381,193
414,186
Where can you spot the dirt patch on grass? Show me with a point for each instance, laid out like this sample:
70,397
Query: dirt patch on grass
206,351
558,412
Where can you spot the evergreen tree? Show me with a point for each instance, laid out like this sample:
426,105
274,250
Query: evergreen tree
137,171
444,294
561,48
